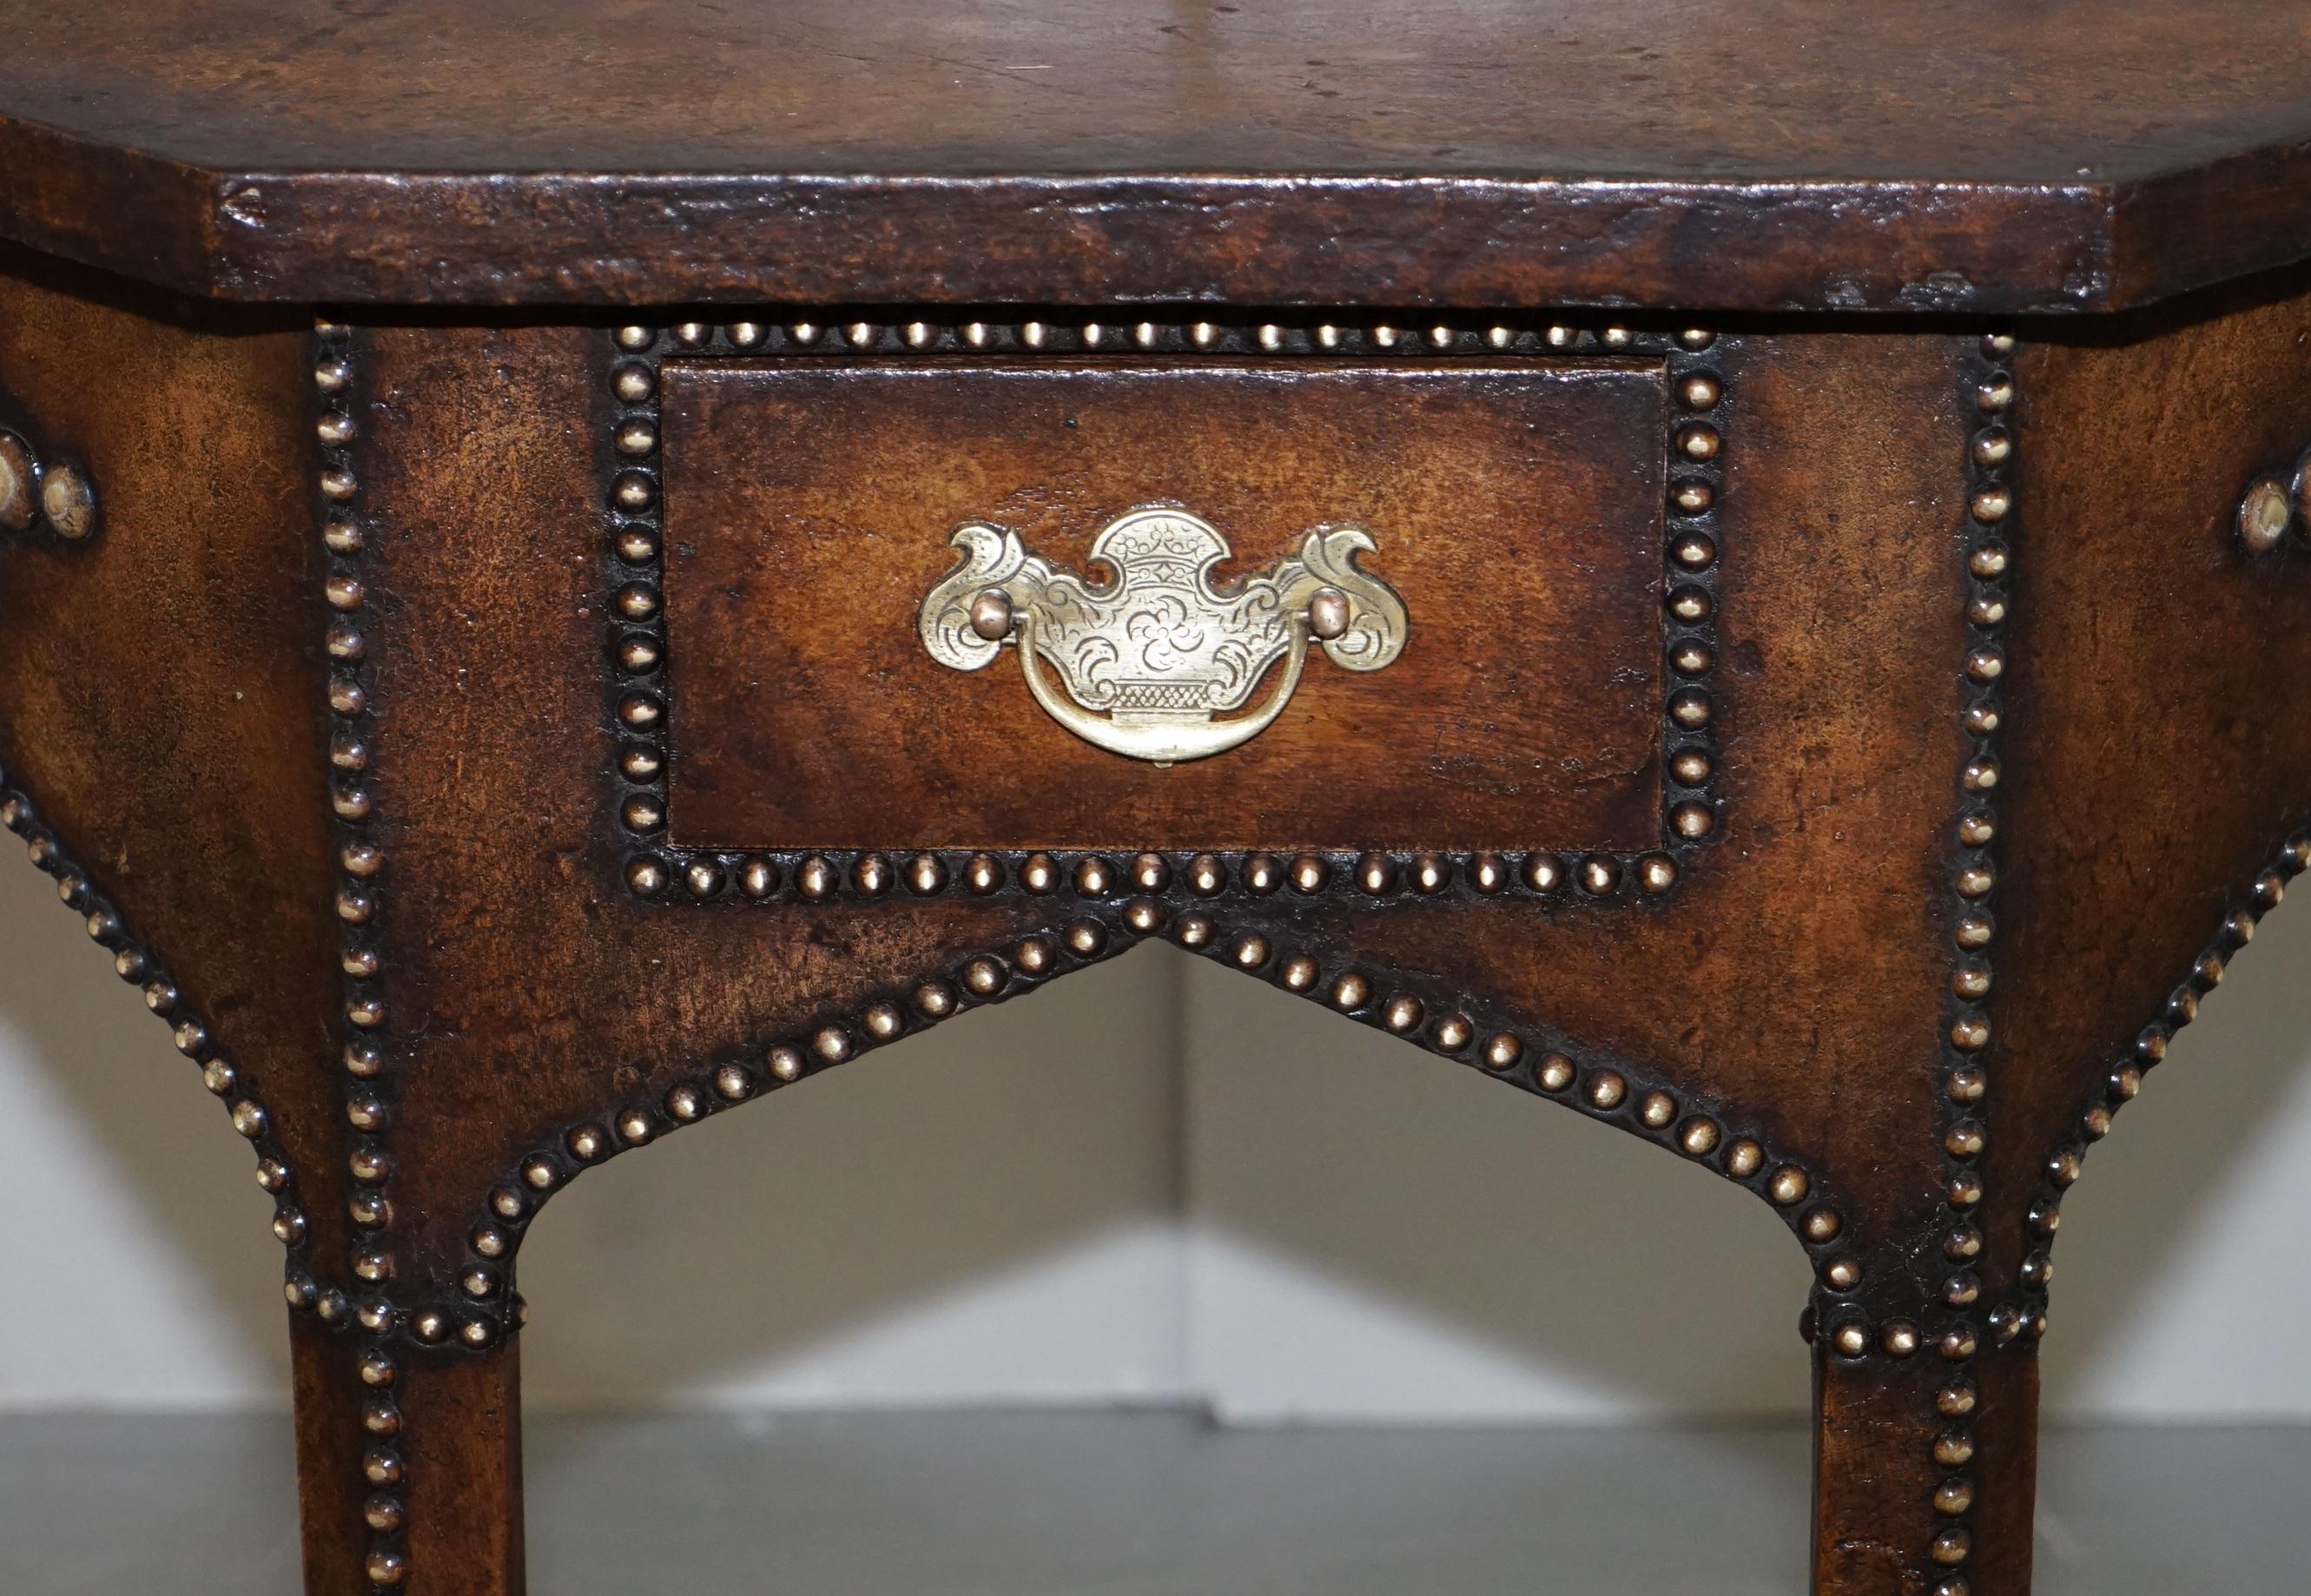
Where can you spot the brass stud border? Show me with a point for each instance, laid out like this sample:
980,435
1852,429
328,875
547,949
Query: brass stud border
1989,520
134,961
639,705
1438,1019
2023,1312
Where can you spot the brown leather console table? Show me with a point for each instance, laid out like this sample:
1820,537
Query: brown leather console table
561,574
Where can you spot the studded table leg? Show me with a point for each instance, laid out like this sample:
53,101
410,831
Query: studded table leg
1924,1467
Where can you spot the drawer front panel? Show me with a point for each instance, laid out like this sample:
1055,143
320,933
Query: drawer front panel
1515,506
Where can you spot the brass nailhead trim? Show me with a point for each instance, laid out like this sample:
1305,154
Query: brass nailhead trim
638,700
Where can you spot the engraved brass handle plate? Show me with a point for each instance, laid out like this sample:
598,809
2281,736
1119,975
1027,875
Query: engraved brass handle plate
1146,663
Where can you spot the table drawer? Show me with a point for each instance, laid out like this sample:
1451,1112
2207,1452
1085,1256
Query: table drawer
1525,512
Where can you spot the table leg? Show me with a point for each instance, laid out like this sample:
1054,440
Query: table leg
409,1465
1924,1471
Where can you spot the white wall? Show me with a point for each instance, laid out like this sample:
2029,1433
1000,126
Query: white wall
1156,1182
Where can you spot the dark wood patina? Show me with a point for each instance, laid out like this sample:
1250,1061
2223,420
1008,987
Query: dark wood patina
472,686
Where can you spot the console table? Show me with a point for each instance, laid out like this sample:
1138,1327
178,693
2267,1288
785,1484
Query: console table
562,574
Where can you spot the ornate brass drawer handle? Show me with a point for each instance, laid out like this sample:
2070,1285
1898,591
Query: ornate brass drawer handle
1146,662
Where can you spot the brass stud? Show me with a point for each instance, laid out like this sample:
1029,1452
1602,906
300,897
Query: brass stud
814,878
1270,336
1555,1073
1432,872
1502,1051
1401,1013
1094,877
249,1118
1263,873
1988,562
1606,1090
982,873
1143,915
786,1064
1249,950
1656,873
1694,551
1298,973
1842,1273
985,976
1035,957
67,502
1970,1034
1851,1337
1992,504
1957,1346
1995,393
1656,1108
1544,872
1193,931
1205,875
1690,709
1789,1186
1441,336
758,878
870,873
1351,991
1038,874
1964,1140
1699,391
1697,440
1150,873
925,875
883,1021
934,999
831,1043
1966,1085
1698,1137
1309,873
2064,1167
1900,1338
1453,1033
1953,1497
703,877
1086,938
1691,495
1376,874
587,1142
1488,873
1599,874
1696,338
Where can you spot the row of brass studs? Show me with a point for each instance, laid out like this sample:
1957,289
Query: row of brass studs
2067,1159
345,538
135,962
639,703
821,877
1990,519
1443,1023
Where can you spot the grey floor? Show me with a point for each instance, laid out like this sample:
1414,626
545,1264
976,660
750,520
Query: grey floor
1134,1504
